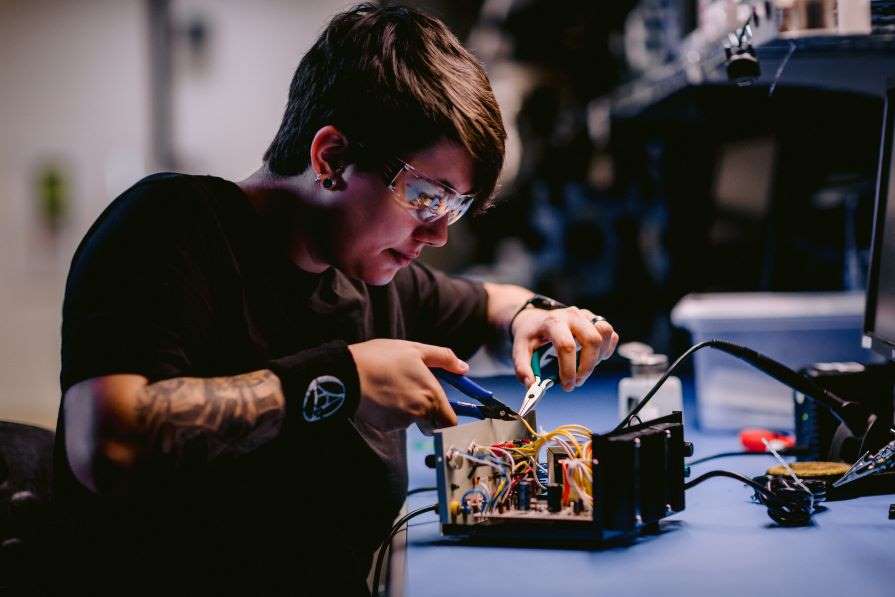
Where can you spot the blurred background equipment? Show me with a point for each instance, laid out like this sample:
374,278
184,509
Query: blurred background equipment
793,328
637,172
646,369
641,181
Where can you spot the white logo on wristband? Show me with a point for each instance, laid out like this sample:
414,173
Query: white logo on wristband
324,397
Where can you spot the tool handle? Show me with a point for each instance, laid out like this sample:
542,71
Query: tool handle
467,409
464,384
538,355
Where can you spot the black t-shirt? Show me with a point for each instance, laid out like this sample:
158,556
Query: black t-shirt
180,277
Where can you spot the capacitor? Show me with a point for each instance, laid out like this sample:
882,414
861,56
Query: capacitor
523,494
554,497
454,509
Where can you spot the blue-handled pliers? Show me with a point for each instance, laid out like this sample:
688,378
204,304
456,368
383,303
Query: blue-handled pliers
490,407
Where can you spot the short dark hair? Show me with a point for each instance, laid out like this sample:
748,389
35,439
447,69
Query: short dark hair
396,81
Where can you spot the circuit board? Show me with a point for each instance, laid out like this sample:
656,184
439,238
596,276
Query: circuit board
489,475
505,479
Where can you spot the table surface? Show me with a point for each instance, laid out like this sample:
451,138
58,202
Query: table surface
722,544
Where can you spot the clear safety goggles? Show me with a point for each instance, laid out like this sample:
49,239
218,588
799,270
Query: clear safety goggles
427,199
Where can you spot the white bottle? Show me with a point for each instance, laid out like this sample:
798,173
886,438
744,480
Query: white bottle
853,16
646,369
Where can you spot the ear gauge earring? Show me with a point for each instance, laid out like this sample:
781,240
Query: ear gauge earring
326,182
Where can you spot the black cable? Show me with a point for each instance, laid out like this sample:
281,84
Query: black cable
738,477
624,422
784,452
790,507
416,490
850,413
380,559
742,32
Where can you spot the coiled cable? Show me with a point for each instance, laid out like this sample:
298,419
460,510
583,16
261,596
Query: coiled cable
787,506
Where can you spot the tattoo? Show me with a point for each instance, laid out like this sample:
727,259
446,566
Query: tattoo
194,420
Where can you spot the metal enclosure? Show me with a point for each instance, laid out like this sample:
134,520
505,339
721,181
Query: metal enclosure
638,480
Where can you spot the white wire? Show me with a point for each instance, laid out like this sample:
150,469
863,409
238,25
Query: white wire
783,63
577,463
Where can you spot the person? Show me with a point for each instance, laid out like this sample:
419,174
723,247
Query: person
240,360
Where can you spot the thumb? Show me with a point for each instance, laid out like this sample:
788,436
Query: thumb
443,358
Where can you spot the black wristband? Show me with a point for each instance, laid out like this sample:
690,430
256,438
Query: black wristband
320,384
538,301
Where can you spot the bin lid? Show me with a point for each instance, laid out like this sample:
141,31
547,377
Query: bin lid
770,310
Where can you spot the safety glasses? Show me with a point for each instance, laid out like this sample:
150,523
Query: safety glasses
428,200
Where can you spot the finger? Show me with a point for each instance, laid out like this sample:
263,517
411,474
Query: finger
591,346
613,342
564,344
440,409
522,350
605,330
443,358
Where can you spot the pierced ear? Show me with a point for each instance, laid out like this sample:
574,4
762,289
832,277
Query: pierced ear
329,148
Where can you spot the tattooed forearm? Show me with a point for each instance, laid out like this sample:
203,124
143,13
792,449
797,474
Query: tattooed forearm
195,420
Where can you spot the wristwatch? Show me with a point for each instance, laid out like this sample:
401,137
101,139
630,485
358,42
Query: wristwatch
538,301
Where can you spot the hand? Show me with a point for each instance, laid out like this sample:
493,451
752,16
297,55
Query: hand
533,328
397,387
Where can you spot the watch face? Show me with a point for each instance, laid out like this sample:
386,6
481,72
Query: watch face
543,302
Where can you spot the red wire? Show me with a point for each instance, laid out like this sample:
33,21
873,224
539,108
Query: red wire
566,486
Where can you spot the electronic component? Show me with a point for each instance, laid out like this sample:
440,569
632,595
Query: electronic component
555,456
872,386
596,486
523,495
554,497
600,486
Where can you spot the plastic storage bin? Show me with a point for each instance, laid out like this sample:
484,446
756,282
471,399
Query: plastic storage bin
797,329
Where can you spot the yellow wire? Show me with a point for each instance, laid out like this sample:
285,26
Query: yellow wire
572,434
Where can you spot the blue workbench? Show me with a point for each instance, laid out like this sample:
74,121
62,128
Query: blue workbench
721,545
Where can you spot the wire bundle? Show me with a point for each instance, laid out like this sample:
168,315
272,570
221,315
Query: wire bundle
515,462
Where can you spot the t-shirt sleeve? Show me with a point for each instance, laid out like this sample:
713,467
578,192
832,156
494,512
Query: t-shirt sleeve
136,299
444,310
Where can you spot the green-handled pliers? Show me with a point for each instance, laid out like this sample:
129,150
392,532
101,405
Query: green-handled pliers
543,356
540,386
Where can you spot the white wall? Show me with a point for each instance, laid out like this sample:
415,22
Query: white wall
227,109
74,91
